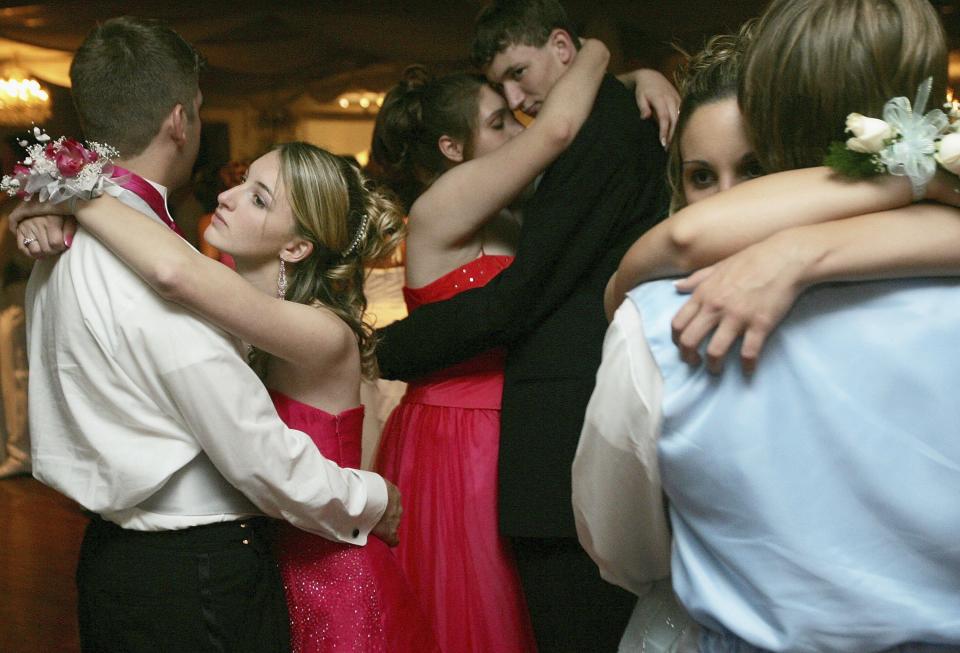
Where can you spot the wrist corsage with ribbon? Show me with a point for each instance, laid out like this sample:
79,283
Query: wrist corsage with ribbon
906,142
61,170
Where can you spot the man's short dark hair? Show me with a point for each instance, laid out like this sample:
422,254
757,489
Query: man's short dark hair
504,23
127,76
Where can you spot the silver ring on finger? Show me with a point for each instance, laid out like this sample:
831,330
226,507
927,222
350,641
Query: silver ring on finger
26,241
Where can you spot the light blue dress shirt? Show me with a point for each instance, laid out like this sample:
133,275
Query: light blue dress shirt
816,505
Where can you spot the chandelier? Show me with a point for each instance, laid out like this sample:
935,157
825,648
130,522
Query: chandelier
23,101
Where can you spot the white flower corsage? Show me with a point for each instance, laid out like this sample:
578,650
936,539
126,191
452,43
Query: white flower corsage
61,170
906,142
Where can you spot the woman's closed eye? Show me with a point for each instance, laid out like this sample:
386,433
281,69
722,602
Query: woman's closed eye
499,118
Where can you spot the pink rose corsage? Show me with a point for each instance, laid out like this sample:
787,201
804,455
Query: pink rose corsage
60,170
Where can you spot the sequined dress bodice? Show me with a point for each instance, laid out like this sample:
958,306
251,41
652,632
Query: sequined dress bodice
474,274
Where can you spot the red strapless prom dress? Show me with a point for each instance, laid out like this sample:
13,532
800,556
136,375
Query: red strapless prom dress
344,598
440,447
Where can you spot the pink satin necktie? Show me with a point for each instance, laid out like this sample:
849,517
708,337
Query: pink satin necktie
145,191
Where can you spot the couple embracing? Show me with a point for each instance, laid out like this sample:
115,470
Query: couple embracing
160,422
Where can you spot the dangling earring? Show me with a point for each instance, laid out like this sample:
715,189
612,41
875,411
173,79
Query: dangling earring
282,280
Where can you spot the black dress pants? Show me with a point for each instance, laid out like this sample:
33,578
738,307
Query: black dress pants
204,589
573,610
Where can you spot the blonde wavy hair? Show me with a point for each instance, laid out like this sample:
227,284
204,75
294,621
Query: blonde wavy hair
351,224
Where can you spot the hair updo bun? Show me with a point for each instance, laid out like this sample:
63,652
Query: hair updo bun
415,114
414,77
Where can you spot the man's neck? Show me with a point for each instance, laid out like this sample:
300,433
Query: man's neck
150,166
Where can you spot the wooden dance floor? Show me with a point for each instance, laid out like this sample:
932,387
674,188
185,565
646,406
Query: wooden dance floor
40,533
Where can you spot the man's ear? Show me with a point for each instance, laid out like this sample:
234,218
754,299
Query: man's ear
562,43
296,250
451,148
176,125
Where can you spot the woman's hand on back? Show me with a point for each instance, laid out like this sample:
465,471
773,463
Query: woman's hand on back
656,96
747,295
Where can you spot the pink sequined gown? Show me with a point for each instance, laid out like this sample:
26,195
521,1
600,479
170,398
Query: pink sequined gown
343,598
440,446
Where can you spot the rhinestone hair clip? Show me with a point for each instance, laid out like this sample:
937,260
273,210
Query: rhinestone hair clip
361,232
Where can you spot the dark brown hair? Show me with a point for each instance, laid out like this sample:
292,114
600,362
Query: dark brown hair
415,114
504,23
127,76
706,77
812,62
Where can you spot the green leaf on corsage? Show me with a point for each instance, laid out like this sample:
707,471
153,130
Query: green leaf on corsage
857,165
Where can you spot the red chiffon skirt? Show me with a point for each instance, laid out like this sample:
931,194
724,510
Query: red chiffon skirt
440,446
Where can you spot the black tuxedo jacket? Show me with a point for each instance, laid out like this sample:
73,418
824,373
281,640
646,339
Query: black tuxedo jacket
547,308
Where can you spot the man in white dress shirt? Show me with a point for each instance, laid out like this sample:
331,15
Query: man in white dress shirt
149,417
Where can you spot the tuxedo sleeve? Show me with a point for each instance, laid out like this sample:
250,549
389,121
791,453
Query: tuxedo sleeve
610,176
